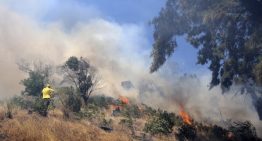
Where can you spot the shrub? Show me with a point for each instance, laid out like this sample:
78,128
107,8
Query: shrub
129,123
101,101
69,99
90,112
149,111
24,102
132,110
162,123
30,103
9,110
38,105
186,132
219,132
73,103
106,123
243,131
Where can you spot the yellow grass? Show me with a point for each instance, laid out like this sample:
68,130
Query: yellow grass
26,127
33,127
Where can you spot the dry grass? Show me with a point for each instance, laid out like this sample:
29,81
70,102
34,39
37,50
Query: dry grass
26,127
33,127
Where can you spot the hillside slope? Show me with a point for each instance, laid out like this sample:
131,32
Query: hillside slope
24,127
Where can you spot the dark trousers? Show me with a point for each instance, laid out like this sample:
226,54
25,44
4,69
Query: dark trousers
46,103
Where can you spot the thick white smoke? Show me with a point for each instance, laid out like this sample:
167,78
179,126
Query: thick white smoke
114,49
120,52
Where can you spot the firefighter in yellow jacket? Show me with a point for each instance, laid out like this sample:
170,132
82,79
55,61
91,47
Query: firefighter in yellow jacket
46,96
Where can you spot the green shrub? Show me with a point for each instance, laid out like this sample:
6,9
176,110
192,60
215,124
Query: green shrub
129,123
38,105
23,102
31,103
101,101
149,111
90,111
106,123
162,123
73,103
132,111
69,99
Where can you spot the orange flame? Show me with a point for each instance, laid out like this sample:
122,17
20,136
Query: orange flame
186,118
124,100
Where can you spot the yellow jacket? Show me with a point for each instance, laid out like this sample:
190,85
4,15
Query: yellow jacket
47,92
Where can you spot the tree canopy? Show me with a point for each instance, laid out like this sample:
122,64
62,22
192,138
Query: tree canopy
82,74
227,34
38,76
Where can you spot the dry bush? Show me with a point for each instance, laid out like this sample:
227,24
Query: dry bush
2,113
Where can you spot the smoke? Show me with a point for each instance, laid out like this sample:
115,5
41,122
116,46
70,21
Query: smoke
119,51
204,105
111,47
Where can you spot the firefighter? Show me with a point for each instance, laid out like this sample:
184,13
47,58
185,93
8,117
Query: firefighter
47,93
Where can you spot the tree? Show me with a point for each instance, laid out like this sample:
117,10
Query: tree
39,74
227,34
82,75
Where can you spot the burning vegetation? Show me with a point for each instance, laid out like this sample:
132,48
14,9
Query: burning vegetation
185,116
133,122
